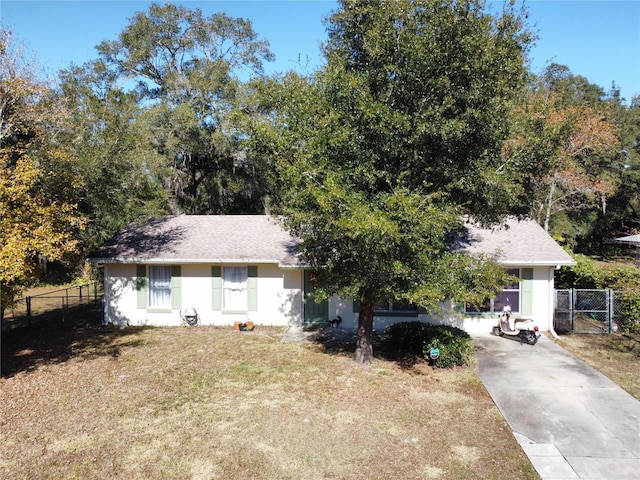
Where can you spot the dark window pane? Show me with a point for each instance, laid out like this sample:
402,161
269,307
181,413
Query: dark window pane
507,298
403,307
485,307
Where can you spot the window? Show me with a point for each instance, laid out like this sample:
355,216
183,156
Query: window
395,306
234,288
160,287
510,296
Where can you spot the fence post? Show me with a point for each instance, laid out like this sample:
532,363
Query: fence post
572,296
610,308
28,299
607,312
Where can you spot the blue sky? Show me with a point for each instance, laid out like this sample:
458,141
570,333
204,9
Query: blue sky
597,39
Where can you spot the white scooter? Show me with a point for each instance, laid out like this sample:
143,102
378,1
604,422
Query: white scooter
524,328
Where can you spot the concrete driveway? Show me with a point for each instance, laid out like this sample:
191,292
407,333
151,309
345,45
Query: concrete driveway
571,421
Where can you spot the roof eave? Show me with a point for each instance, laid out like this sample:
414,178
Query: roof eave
544,263
174,261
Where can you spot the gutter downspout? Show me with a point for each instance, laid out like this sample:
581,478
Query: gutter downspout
552,302
106,294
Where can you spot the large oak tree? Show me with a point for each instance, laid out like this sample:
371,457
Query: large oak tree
383,151
121,174
188,70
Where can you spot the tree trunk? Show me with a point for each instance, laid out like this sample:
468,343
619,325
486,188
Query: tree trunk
364,345
552,191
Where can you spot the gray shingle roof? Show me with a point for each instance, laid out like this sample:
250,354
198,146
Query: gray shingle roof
260,239
518,242
202,238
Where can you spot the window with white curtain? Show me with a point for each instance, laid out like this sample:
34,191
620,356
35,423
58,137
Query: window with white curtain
160,287
234,287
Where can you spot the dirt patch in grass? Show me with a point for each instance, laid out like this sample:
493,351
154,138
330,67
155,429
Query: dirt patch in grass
90,402
615,355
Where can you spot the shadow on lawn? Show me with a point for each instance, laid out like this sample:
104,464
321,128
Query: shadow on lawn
81,335
337,341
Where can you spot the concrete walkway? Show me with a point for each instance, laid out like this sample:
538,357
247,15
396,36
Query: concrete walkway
571,421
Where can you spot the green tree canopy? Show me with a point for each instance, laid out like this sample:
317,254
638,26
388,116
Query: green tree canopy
581,145
570,148
434,82
382,152
38,217
570,88
188,69
120,173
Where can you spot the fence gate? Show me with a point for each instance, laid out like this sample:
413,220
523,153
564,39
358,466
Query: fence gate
584,311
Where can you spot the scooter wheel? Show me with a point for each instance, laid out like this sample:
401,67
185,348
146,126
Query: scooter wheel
497,332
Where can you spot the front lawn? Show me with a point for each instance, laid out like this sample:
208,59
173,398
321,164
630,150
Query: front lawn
89,402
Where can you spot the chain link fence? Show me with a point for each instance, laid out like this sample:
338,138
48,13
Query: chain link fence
587,311
60,304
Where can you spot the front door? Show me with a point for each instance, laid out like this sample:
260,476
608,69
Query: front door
314,311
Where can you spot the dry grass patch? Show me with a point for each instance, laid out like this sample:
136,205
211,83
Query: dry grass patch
209,403
615,355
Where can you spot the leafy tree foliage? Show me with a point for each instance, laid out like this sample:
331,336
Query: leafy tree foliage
622,216
38,218
381,153
582,147
120,174
187,68
571,146
571,89
444,73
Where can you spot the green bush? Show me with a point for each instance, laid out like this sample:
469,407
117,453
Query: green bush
625,281
419,338
584,274
630,307
409,337
454,344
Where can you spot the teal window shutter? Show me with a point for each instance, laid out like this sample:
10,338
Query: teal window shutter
458,308
141,285
252,288
356,306
527,291
176,287
216,288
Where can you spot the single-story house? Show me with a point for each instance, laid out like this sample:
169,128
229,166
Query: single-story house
239,268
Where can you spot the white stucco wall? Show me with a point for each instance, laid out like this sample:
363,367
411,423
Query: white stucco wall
120,297
541,305
280,301
542,308
279,298
543,297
